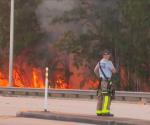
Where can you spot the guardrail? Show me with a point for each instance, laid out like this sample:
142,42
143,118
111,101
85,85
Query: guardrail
74,93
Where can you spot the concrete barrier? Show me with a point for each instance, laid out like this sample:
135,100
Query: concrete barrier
91,119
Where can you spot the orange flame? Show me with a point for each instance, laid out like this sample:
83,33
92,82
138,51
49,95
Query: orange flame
17,79
3,80
36,79
33,79
60,83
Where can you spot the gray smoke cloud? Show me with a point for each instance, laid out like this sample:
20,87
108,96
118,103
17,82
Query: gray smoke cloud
46,12
50,9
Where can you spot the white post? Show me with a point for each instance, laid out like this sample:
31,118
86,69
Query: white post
11,43
46,90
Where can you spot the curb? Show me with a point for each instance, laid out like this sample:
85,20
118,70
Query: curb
91,119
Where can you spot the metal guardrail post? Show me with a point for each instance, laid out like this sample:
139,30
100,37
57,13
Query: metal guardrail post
46,90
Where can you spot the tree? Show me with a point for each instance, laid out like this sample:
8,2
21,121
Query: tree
135,38
122,26
27,31
4,30
97,28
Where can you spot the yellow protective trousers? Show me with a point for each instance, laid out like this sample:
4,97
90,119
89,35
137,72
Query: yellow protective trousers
104,99
103,104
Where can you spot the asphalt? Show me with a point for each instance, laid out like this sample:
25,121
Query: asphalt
91,119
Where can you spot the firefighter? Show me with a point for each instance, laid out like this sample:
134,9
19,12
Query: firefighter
104,70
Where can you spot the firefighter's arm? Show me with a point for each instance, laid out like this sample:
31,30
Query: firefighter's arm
113,69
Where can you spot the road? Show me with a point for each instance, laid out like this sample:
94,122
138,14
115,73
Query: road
9,106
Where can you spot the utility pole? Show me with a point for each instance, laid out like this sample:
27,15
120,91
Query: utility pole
11,43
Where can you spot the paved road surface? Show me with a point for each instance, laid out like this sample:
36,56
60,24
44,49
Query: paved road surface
10,105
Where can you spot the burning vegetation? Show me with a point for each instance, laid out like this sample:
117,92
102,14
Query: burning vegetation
34,78
82,28
62,73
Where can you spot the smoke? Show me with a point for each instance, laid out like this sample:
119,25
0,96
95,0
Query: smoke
50,9
46,12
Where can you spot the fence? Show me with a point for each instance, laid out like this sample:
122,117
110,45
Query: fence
74,93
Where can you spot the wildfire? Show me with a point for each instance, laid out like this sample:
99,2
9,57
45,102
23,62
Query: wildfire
61,84
35,78
17,79
20,81
3,80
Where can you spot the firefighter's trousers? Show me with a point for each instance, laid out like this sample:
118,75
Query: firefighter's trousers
104,100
